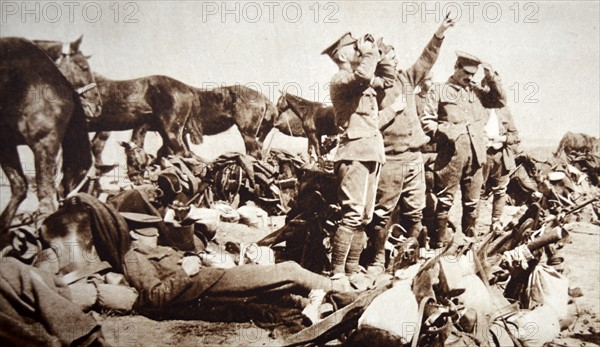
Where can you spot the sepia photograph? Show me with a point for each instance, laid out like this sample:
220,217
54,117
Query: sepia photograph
300,173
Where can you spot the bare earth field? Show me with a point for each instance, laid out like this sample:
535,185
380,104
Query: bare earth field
582,265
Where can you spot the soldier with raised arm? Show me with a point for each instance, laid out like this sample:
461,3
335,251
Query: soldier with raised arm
360,154
455,116
402,179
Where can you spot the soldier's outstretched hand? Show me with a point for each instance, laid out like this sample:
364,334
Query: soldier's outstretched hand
488,70
446,23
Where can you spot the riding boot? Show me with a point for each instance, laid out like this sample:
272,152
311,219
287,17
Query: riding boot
442,236
340,246
356,248
414,229
468,225
376,260
498,203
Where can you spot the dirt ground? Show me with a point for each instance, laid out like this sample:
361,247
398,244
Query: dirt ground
582,267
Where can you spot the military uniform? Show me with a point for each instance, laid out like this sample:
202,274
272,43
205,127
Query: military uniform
402,179
360,153
500,158
429,152
161,281
456,116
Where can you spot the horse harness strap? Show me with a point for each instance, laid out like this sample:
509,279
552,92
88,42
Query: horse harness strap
262,118
86,88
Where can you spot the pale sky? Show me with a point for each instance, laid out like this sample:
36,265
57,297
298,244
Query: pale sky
546,52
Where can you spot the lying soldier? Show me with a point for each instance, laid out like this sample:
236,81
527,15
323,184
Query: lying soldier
164,276
35,312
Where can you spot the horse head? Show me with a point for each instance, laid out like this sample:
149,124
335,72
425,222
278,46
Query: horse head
75,67
282,103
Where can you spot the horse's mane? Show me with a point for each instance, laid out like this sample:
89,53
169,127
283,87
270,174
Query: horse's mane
245,94
304,102
52,48
99,77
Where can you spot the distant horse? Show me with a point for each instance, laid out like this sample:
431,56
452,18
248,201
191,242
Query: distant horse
317,119
581,151
253,114
156,103
40,108
289,124
217,110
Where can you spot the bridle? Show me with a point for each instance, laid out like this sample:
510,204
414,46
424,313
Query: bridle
291,106
65,54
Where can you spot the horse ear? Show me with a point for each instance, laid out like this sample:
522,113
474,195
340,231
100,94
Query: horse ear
75,44
88,57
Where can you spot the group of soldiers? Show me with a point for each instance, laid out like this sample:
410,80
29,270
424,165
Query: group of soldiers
394,123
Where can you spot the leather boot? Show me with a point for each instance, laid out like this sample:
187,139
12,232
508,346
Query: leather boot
340,247
356,248
377,239
442,236
414,230
468,225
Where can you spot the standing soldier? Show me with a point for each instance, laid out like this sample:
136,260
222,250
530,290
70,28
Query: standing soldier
455,116
429,154
502,146
360,153
402,180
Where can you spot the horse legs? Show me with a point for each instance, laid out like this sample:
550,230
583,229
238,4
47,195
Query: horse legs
9,159
173,139
138,135
313,143
253,146
45,152
98,143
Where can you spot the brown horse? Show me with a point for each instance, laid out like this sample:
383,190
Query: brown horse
40,108
160,103
289,124
317,119
253,114
217,110
65,53
157,103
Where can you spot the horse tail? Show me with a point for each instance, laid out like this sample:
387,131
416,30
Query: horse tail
193,127
76,149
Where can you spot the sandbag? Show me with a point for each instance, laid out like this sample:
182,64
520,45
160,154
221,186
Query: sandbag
548,287
395,311
458,272
253,216
531,328
228,213
207,221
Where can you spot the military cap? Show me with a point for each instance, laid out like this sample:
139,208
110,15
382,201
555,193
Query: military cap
140,218
345,40
143,224
469,63
149,232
